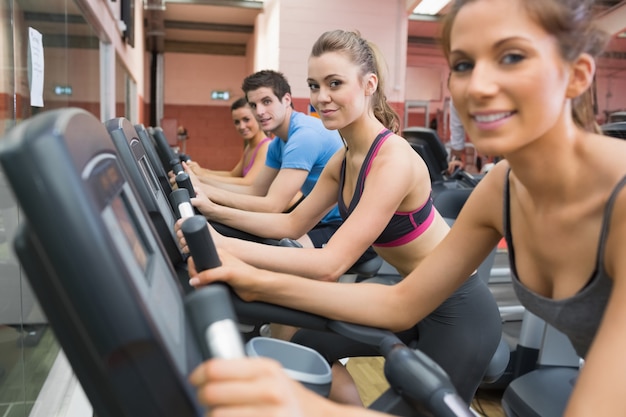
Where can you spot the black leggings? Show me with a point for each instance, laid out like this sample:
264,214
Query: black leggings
322,232
461,335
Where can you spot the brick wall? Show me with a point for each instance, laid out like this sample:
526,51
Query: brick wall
213,141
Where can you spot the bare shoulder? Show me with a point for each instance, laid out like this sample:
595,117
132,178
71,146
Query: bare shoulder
400,141
397,166
486,201
264,145
497,176
401,151
607,149
333,166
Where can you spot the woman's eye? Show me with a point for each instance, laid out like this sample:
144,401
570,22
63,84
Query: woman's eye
335,84
313,87
461,66
512,58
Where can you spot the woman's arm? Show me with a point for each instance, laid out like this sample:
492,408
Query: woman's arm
235,176
326,263
474,234
259,187
272,191
265,224
201,172
394,175
209,174
278,224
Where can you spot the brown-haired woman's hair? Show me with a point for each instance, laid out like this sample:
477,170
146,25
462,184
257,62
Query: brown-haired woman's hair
571,22
238,104
368,57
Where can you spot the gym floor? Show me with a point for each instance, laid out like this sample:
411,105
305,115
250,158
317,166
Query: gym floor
24,366
368,374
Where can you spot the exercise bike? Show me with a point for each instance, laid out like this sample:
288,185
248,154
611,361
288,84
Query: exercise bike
112,296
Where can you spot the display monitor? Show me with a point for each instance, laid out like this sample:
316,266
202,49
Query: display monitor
165,152
98,269
426,142
149,145
142,175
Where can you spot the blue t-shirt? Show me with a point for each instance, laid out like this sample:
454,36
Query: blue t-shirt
309,146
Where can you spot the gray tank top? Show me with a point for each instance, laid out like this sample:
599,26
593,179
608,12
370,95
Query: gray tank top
579,316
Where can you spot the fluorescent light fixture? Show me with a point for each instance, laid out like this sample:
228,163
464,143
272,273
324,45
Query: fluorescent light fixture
430,7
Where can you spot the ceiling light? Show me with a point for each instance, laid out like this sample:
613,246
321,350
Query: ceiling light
431,7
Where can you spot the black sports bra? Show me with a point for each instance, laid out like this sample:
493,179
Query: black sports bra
403,227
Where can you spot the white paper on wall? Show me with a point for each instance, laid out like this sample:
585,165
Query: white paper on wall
35,67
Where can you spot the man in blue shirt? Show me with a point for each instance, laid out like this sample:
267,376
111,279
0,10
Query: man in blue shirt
295,159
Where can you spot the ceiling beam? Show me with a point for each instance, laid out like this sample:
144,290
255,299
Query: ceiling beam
250,4
213,27
154,25
54,17
423,40
411,5
205,48
70,41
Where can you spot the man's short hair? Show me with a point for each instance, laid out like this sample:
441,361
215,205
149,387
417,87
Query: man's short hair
267,78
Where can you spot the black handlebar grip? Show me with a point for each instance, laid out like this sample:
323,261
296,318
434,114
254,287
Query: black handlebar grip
201,246
210,308
183,181
177,167
181,203
423,383
214,322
